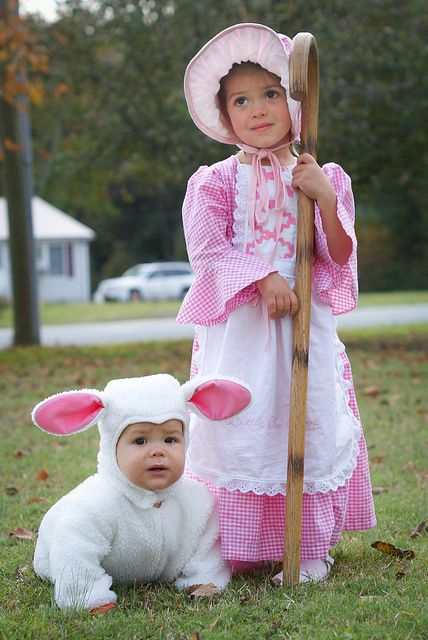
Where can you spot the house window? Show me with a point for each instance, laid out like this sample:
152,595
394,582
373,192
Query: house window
60,260
56,260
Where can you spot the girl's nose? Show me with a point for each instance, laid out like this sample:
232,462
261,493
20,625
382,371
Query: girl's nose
259,109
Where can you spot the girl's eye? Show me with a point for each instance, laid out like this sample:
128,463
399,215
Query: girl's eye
241,101
271,93
169,440
141,441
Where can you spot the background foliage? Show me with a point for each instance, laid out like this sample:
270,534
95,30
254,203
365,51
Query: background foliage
114,145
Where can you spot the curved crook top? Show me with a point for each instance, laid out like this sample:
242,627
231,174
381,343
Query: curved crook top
304,87
303,66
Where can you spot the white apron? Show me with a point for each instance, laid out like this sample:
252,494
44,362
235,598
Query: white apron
249,452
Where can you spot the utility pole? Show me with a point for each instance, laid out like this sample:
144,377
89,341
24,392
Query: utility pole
18,188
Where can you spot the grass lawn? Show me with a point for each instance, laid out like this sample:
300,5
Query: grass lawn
91,312
363,599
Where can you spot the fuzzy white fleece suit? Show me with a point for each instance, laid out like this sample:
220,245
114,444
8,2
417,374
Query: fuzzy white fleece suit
108,529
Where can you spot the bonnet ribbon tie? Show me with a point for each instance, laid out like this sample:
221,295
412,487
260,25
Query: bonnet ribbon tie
258,207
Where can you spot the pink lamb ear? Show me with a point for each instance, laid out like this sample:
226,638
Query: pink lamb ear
220,399
68,412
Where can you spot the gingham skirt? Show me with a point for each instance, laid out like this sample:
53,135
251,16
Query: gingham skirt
252,526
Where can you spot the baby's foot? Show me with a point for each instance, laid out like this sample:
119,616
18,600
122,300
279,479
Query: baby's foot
310,571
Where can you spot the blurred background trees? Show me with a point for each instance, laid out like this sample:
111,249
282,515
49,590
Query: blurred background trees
114,145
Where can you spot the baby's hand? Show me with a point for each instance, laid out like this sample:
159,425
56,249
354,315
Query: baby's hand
311,179
280,298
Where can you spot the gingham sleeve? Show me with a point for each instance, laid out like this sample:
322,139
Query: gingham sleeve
336,285
225,277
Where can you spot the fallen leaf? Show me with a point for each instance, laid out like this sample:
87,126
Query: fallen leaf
377,459
11,491
25,534
33,500
19,454
42,475
103,609
195,636
372,391
377,490
390,549
418,530
403,571
197,591
21,572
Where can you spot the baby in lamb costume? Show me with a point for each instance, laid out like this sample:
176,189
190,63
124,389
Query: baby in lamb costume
137,519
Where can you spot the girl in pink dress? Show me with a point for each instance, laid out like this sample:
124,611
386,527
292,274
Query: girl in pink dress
240,218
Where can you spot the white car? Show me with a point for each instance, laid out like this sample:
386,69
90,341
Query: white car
148,281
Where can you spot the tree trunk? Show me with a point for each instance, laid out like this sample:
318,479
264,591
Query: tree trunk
17,182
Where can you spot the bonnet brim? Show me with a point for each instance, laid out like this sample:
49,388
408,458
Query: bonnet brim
238,43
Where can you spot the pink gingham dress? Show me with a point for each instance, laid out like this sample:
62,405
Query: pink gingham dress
243,460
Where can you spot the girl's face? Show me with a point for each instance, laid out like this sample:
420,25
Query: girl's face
152,455
257,107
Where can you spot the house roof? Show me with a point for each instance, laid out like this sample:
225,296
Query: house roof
49,223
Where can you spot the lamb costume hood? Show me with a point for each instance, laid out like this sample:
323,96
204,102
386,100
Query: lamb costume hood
108,529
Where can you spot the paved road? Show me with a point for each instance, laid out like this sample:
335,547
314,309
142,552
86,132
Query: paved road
166,328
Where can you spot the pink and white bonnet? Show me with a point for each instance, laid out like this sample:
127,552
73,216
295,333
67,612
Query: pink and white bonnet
238,43
125,401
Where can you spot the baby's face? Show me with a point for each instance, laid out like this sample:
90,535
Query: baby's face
152,455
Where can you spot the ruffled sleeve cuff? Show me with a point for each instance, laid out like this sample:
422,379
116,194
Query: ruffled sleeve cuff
225,277
226,285
337,285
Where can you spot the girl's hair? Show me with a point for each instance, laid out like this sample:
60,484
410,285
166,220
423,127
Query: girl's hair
237,67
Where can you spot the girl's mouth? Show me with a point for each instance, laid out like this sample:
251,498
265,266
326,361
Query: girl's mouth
261,127
158,468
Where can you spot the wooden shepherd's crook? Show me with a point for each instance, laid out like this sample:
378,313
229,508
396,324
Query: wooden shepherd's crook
304,87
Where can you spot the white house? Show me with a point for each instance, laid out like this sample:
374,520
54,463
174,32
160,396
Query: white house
62,254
